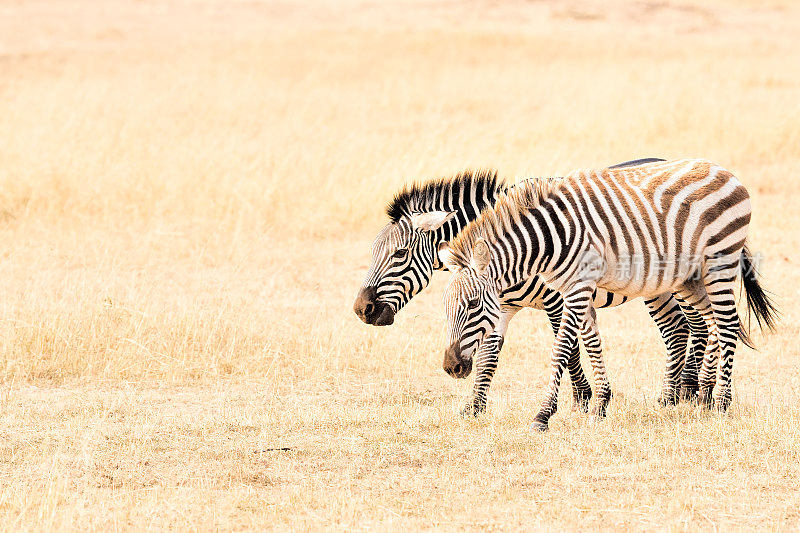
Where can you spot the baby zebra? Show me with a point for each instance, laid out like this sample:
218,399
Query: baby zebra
404,258
677,226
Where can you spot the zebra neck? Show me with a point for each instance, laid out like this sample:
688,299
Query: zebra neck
447,233
529,251
468,207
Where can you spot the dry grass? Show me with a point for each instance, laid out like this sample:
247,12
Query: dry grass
187,194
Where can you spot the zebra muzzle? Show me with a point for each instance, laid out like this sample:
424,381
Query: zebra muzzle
454,364
370,310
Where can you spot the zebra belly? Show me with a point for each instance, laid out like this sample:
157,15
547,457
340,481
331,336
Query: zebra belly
603,298
647,277
533,291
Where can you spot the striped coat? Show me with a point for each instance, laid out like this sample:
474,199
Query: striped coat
677,226
404,259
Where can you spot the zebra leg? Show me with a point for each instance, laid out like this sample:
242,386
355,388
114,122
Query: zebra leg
708,369
694,294
694,359
591,340
486,360
577,302
667,314
720,288
581,389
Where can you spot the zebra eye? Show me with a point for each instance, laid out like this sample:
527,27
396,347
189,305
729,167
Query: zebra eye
401,253
472,304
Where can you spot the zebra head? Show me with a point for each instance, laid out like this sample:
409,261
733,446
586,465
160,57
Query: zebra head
472,307
403,260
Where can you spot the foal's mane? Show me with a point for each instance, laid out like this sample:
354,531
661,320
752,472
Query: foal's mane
496,221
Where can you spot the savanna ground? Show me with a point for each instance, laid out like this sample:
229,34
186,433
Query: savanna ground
188,191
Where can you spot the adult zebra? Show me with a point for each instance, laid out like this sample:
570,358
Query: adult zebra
677,226
404,258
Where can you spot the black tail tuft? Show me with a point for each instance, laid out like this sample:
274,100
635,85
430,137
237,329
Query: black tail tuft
745,337
758,303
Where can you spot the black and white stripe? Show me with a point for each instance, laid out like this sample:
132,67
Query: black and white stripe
649,230
404,258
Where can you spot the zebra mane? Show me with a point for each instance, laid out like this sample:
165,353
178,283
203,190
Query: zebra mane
443,194
496,221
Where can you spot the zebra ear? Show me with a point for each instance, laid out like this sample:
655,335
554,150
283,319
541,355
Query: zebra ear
431,220
480,256
446,257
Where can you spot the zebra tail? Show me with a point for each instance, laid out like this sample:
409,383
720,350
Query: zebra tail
758,301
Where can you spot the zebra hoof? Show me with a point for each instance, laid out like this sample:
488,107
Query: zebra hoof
472,411
704,397
580,406
581,397
601,402
581,403
667,400
539,426
599,412
688,393
722,403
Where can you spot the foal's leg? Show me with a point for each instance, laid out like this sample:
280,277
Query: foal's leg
694,359
577,302
581,390
693,294
720,282
591,340
674,328
486,363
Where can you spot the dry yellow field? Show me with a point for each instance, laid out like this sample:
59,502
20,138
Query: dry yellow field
188,191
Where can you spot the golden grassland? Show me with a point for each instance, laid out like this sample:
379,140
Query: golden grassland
188,191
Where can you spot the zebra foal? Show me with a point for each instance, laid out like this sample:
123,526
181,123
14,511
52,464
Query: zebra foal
666,227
